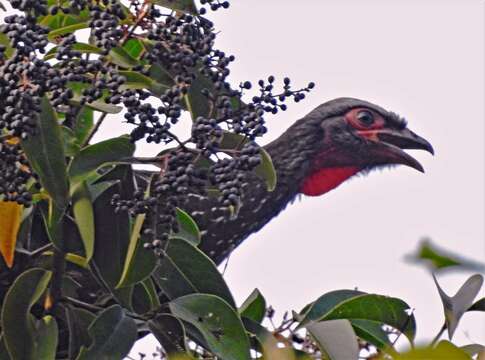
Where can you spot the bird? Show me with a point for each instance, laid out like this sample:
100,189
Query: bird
336,141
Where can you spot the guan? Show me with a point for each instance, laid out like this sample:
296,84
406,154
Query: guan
334,142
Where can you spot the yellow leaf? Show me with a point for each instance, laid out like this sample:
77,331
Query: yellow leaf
10,216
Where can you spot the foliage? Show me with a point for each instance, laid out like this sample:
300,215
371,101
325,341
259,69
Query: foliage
97,254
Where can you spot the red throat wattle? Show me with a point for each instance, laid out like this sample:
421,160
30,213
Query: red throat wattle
326,179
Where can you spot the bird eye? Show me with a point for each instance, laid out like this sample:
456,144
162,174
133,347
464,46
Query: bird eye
365,117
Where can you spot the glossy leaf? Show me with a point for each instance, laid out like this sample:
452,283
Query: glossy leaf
169,332
67,30
84,124
18,325
353,305
113,335
45,152
185,270
336,338
135,48
144,297
455,306
188,229
218,323
81,47
78,321
112,231
71,145
254,307
371,331
119,56
266,170
232,141
181,5
269,345
10,216
139,262
46,338
95,156
84,215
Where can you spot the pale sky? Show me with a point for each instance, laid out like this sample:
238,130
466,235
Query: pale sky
421,59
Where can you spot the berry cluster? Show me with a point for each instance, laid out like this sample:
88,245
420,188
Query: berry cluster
214,5
180,44
105,24
206,134
14,174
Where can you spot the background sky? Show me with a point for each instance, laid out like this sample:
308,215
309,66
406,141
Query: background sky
421,59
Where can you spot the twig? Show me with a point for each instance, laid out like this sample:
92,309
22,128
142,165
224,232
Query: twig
94,130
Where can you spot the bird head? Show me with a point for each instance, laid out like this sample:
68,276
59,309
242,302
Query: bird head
347,136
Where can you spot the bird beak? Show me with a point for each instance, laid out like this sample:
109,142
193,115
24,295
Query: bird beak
390,143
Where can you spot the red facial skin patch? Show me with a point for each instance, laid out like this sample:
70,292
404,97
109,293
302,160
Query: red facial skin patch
326,179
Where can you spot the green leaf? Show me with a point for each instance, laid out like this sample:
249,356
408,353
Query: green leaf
139,262
84,216
135,48
18,324
81,47
198,104
45,151
455,306
169,332
266,170
232,141
269,344
92,157
84,124
4,40
185,270
218,323
78,321
437,258
188,229
112,232
444,350
352,305
67,30
98,105
182,5
254,307
136,80
336,338
119,56
46,338
113,334
71,146
371,331
145,298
